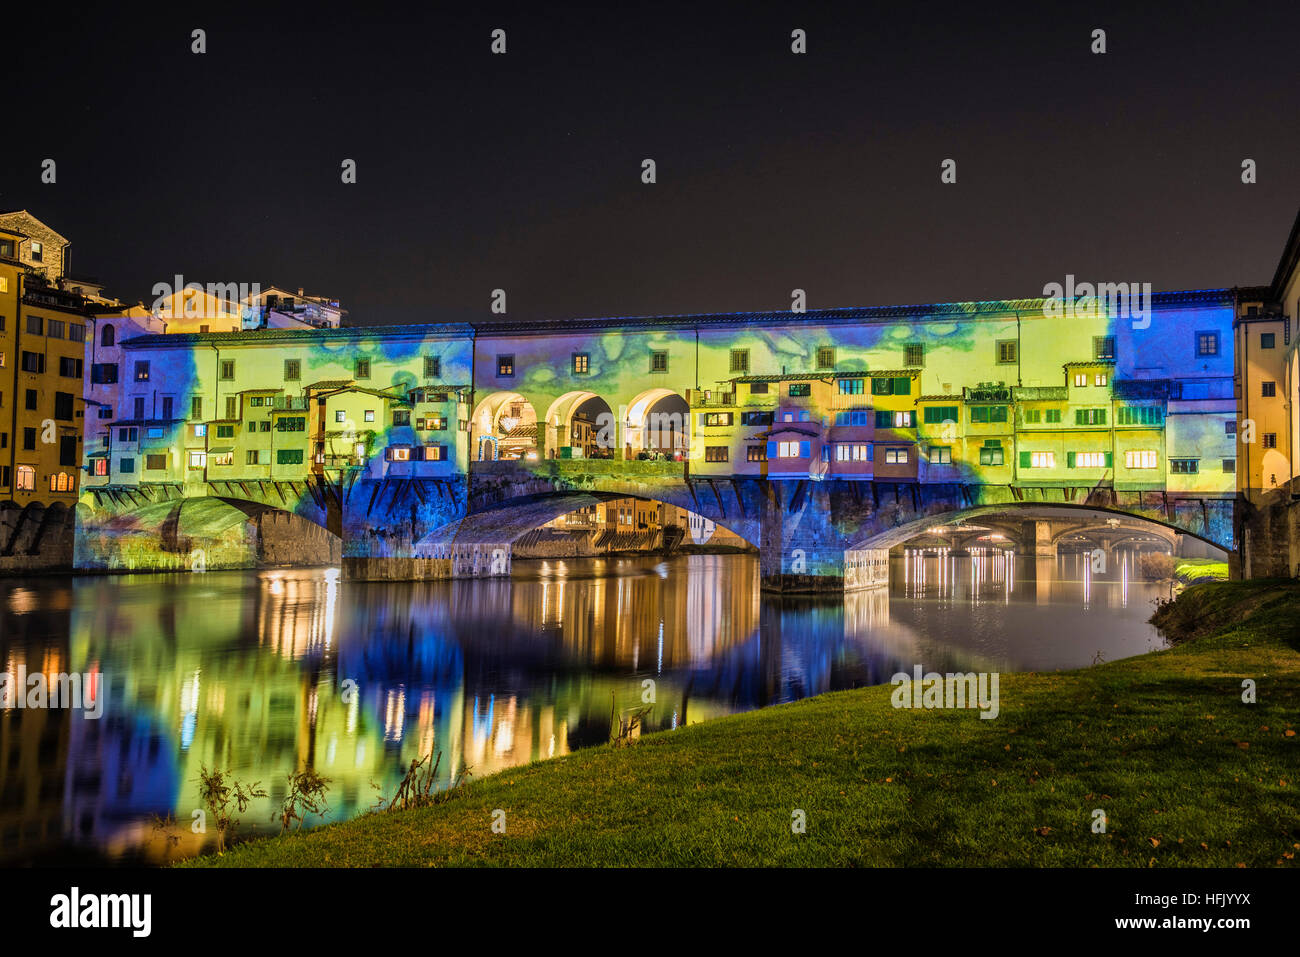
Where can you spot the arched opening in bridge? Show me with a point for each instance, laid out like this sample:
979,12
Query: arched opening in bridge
657,424
580,425
627,526
504,427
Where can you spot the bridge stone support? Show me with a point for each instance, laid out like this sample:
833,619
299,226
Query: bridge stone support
1268,537
1044,546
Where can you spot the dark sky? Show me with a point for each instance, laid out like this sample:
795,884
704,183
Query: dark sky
775,171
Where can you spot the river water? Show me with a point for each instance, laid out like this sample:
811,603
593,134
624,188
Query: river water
263,673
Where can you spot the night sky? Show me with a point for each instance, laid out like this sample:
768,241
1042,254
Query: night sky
775,170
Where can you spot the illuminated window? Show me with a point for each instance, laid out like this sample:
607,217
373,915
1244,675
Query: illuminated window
581,363
895,456
793,450
755,453
1207,343
1080,379
1100,379
852,386
715,418
435,453
716,453
100,466
61,482
200,430
369,415
1268,390
198,460
505,366
1140,459
852,452
26,478
1037,460
940,455
1087,460
399,454
1103,347
38,252
1270,440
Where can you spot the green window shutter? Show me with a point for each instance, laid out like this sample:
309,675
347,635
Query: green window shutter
1109,457
1025,460
1069,460
903,385
1101,416
1078,416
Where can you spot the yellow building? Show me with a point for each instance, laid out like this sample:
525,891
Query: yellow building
42,349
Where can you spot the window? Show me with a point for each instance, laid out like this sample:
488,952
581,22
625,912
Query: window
232,407
793,450
1270,440
432,367
854,417
227,370
1268,389
1103,347
1100,378
400,453
1140,415
1080,379
1229,465
1087,460
914,354
739,360
1140,459
1038,460
63,406
1089,416
35,326
225,431
897,385
263,426
138,407
1230,427
142,370
940,455
196,407
126,466
938,414
61,482
1207,343
1033,416
30,399
102,373
758,388
852,452
755,453
895,456
798,389
108,336
70,368
38,252
1267,340
34,362
129,434
292,370
198,460
988,413
659,361
26,478
29,440
340,415
435,453
254,457
200,431
1052,415
76,332
852,386
100,466
505,366
1184,466
435,423
369,415
401,417
291,423
1008,351
54,329
716,453
826,357
288,456
105,412
155,463
715,418
581,363
991,455
361,369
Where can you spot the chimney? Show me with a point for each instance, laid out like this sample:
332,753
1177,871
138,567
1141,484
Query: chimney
300,292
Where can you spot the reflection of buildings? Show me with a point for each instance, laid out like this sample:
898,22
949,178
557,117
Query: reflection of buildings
626,525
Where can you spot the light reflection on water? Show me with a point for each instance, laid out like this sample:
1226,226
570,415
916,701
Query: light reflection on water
265,673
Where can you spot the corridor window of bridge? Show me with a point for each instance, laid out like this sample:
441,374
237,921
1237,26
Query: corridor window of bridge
581,363
716,453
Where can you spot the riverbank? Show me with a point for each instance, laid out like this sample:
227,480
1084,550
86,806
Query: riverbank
1184,772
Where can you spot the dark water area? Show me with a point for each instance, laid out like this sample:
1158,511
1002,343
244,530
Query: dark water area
265,673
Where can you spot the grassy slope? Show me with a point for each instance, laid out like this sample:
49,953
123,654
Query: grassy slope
1186,773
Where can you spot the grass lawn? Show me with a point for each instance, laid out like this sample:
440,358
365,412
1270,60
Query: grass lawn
1200,570
1184,771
